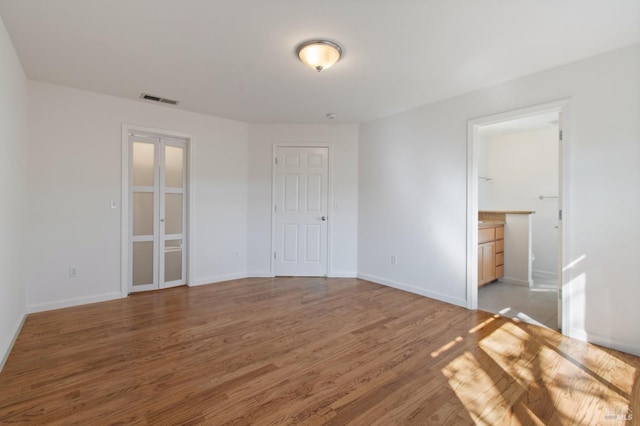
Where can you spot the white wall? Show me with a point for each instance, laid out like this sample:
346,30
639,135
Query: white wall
524,166
412,202
413,191
13,179
517,249
75,170
343,214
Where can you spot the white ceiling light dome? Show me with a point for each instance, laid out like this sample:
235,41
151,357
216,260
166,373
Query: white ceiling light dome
319,54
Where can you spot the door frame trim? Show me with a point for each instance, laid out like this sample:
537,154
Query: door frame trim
561,106
128,128
275,147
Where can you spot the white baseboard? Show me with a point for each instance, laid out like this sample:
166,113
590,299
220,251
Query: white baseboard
547,275
343,274
631,348
257,274
416,290
8,345
217,279
335,274
260,274
514,281
73,302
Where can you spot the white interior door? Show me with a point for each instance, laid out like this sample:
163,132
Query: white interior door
301,211
157,216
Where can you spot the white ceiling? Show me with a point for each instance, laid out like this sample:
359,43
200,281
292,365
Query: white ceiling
236,59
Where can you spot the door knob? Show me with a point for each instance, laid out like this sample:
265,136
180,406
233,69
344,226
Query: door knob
161,220
323,218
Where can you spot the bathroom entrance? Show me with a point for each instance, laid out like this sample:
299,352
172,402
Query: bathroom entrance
517,162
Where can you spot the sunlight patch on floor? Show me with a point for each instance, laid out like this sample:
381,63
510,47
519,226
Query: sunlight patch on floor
477,389
519,375
482,325
446,347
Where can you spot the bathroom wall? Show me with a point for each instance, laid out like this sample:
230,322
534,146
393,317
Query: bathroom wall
523,166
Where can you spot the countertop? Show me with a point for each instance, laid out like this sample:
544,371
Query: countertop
490,217
508,211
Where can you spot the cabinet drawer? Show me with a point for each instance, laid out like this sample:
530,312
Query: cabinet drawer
500,271
499,246
499,259
499,232
486,235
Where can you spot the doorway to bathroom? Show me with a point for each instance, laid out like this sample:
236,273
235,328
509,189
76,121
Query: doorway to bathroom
517,161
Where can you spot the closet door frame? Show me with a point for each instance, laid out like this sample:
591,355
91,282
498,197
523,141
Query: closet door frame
188,263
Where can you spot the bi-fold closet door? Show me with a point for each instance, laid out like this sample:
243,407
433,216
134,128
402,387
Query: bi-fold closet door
157,212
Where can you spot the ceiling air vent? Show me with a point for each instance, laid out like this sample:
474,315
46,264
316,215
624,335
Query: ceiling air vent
158,99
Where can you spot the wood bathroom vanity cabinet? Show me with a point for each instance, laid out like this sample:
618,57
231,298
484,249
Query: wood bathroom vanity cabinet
490,251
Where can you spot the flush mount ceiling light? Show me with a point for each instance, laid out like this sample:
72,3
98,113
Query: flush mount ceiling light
319,54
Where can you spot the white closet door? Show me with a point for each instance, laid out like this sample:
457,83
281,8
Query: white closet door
301,211
157,216
173,213
143,213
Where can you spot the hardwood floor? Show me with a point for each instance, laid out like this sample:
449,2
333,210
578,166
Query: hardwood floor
312,351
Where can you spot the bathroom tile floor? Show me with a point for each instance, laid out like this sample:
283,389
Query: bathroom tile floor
538,306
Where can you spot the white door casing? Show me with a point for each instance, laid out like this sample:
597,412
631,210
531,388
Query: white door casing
562,107
301,211
561,169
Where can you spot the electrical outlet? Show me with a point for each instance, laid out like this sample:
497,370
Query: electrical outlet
394,260
73,272
237,253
